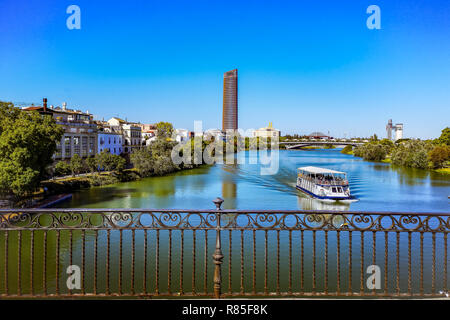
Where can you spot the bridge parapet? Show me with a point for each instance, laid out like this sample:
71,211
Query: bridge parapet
139,247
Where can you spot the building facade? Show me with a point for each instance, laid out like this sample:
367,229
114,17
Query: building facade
181,135
267,132
80,131
398,131
131,133
149,133
110,142
132,137
230,101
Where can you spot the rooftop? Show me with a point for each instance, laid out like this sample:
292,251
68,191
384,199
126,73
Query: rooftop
318,170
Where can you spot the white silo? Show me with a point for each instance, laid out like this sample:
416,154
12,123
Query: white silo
398,131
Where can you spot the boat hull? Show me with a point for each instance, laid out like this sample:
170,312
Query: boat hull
335,198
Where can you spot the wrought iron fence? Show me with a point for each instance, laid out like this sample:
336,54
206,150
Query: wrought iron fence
222,253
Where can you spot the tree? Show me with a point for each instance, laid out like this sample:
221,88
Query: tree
62,168
347,149
412,153
445,137
76,164
439,156
164,129
155,159
27,144
91,163
110,162
119,163
143,161
373,151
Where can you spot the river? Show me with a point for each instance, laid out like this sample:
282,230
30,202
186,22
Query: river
377,186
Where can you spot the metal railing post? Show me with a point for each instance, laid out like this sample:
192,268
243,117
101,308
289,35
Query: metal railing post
218,256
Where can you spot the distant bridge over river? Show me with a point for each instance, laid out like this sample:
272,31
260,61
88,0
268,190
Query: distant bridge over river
298,144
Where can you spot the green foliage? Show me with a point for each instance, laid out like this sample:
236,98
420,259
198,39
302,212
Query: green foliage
348,149
62,168
102,179
412,153
76,164
91,163
164,130
27,144
373,151
155,159
143,161
439,155
110,162
445,137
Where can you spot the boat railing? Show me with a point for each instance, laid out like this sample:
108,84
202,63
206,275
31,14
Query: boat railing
325,182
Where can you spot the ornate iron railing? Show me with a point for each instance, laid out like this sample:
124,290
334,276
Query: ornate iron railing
152,253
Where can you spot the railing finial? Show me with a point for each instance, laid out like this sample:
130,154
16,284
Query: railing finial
218,202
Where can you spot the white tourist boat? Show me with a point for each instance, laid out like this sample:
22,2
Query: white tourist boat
324,184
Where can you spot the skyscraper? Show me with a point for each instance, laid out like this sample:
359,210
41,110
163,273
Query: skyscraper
230,101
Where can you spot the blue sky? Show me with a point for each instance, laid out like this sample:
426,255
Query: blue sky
303,65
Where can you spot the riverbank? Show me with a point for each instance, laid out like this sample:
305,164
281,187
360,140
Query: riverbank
71,184
444,170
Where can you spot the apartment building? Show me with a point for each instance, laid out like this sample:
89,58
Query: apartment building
80,130
131,133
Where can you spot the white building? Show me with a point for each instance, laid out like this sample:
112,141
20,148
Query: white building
131,133
398,131
267,132
132,136
182,135
217,133
110,142
148,137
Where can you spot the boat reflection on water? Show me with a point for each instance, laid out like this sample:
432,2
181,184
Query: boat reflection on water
306,203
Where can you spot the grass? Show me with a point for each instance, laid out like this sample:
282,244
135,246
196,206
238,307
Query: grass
444,170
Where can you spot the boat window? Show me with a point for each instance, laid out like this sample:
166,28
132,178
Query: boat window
333,189
339,189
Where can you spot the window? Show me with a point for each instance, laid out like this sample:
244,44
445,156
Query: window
333,190
91,145
76,144
67,147
84,146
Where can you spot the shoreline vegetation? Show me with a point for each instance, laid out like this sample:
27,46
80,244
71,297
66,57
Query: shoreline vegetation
432,155
28,170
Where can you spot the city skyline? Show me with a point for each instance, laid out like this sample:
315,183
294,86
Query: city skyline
305,67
